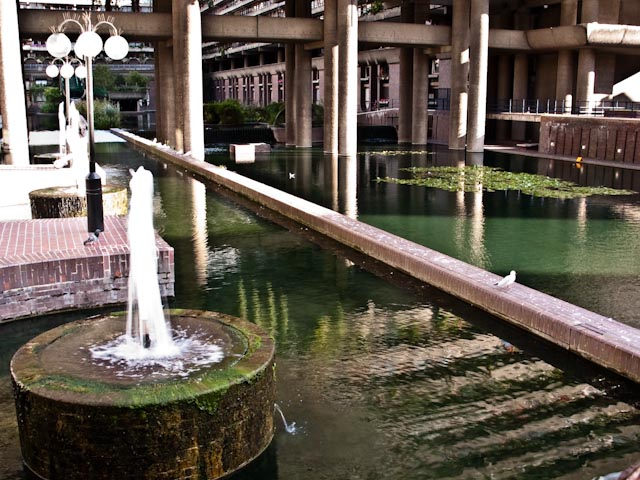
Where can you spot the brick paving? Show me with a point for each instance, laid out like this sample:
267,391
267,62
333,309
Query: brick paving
45,266
26,241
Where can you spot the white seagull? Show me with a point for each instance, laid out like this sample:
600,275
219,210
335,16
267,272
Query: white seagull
292,176
508,280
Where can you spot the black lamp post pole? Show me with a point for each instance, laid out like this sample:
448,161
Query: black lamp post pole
95,216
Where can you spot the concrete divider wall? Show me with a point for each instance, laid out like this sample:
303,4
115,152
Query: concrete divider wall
597,338
601,138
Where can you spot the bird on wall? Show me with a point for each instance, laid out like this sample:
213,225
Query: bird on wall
93,237
506,281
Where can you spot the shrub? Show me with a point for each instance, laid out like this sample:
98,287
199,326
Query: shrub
231,113
275,113
317,115
135,79
212,112
105,114
53,96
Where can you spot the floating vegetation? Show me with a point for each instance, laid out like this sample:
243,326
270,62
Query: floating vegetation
402,152
473,178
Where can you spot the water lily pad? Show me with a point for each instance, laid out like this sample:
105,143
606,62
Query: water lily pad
474,178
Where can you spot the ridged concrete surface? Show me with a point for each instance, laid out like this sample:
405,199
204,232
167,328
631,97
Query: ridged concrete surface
600,339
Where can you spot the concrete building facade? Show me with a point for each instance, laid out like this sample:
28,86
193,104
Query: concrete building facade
456,72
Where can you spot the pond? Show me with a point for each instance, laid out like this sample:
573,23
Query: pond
580,250
385,378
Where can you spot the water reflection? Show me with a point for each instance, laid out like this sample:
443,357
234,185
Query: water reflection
387,378
577,250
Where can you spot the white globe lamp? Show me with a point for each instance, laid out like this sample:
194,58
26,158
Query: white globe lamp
88,44
52,71
116,47
81,71
58,45
66,71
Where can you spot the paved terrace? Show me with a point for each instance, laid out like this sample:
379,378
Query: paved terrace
599,339
45,267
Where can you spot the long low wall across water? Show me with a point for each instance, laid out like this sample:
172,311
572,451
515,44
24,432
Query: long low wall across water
599,339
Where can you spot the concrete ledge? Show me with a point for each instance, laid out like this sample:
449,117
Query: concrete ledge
44,266
599,339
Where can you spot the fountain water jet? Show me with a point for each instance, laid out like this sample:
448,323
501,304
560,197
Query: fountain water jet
146,322
93,402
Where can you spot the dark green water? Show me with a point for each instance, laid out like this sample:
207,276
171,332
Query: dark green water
385,379
581,250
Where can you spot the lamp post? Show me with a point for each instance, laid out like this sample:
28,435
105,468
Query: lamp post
66,71
88,45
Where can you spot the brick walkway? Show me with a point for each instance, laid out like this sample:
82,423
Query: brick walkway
26,241
44,266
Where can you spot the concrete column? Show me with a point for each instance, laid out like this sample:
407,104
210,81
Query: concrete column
610,14
419,112
348,77
420,94
303,82
405,115
165,97
586,82
503,92
520,83
178,45
331,72
303,85
590,11
586,79
459,75
479,36
565,72
289,82
15,135
192,80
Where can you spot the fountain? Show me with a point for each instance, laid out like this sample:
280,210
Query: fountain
190,397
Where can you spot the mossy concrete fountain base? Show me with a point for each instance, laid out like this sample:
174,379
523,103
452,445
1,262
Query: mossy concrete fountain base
64,202
80,419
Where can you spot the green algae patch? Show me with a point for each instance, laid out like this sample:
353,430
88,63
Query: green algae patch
474,178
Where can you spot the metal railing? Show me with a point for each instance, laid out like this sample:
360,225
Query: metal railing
551,106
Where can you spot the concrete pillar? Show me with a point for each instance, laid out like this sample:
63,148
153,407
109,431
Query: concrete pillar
419,112
178,45
610,14
348,77
586,79
585,86
420,94
520,83
478,68
165,96
566,72
331,72
459,75
303,84
405,115
192,99
503,92
289,82
15,135
590,11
